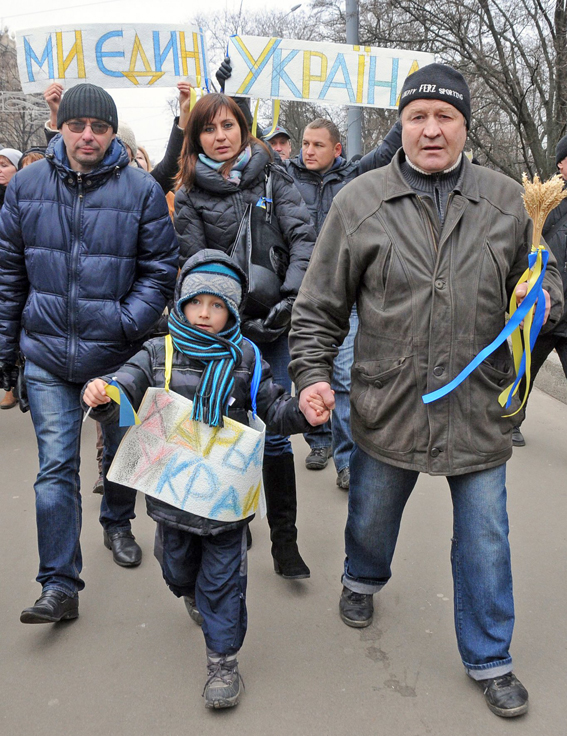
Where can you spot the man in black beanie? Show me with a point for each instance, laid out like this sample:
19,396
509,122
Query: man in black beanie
555,235
430,249
88,259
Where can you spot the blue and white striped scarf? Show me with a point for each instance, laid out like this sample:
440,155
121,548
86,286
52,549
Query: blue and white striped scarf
221,354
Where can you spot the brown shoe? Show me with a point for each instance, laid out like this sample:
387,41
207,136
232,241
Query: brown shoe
9,401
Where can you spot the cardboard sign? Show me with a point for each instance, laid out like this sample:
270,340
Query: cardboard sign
319,72
128,55
215,472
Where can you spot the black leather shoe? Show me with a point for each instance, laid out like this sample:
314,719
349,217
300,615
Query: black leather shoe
51,607
125,550
356,609
505,695
518,438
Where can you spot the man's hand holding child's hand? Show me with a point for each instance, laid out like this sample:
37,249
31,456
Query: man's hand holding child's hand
316,402
95,393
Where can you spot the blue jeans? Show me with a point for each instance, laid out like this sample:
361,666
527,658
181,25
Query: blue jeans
57,416
276,355
214,570
342,438
337,432
480,552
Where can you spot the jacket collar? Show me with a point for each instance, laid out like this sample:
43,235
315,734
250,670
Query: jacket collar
338,169
396,185
116,157
210,180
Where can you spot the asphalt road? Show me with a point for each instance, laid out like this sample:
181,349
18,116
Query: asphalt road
133,664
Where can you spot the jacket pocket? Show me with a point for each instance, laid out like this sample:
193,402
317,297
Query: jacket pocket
384,395
489,427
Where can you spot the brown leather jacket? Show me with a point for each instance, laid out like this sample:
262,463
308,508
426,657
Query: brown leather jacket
428,299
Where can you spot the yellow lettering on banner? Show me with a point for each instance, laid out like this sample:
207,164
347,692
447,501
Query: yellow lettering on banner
132,74
360,78
413,68
76,51
307,76
250,502
190,54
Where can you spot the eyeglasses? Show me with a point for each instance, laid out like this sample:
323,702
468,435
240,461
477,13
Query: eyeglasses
77,126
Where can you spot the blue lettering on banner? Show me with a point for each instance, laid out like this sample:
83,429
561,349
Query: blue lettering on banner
171,48
391,85
46,56
100,54
278,73
339,63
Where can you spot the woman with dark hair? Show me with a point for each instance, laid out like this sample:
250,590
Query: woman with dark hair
223,169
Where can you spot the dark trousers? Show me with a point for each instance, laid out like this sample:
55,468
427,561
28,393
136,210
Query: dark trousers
544,345
214,570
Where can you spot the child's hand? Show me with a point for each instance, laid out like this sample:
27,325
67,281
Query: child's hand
95,395
315,401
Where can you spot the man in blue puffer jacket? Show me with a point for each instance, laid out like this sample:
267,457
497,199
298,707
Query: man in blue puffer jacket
88,259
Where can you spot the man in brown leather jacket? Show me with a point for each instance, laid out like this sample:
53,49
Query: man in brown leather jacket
430,249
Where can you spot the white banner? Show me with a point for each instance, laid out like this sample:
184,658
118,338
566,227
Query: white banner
109,55
215,472
331,73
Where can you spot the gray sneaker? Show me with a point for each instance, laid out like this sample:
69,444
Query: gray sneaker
192,610
222,689
343,478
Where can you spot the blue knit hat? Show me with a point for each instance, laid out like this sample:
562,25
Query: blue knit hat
217,279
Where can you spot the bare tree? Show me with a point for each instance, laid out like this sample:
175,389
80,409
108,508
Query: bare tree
513,53
21,116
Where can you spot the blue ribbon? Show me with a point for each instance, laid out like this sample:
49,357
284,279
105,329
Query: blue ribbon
513,324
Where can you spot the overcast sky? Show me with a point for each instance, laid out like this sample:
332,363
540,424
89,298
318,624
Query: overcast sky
144,109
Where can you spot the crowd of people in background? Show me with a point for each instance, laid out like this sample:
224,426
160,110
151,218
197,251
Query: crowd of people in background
105,257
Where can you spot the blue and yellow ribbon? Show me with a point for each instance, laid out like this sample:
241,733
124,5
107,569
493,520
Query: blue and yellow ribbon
128,416
532,313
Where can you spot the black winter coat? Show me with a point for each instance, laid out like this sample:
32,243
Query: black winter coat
87,263
319,190
209,215
557,242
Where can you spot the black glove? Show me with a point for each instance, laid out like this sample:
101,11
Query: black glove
224,72
280,313
8,376
256,330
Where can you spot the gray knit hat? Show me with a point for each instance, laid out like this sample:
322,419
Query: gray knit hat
437,82
561,150
213,278
126,135
87,101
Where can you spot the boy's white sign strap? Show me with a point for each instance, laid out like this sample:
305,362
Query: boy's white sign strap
215,472
332,73
119,55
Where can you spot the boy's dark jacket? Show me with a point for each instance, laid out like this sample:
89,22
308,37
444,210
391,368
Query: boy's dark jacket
278,409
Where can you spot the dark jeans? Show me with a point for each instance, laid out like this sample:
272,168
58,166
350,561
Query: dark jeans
214,570
57,419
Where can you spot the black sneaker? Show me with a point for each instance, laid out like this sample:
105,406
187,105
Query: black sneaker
505,695
356,609
318,458
518,438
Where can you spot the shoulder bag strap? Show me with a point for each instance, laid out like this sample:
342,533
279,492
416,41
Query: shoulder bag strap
168,360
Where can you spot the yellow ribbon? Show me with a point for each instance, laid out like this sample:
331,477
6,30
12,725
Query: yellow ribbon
275,117
168,360
255,119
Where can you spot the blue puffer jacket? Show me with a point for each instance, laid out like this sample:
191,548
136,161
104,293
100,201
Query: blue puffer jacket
87,263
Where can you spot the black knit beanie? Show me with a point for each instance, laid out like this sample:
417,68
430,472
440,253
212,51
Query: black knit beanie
87,101
561,150
437,82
